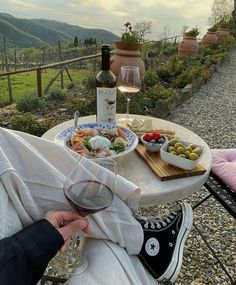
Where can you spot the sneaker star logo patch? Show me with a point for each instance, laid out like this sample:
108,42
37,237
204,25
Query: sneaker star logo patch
152,247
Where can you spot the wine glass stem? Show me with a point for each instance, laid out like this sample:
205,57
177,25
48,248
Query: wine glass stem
127,108
74,239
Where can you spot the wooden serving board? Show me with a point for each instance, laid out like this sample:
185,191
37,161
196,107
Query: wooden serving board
162,169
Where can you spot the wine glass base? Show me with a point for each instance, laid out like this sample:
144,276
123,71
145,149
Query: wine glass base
70,263
83,265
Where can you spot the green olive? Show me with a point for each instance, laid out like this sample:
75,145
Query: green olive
173,142
193,156
171,148
178,144
188,148
198,151
180,150
187,153
193,146
182,155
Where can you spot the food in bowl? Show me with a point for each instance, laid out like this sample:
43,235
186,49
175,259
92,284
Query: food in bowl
153,141
182,154
98,142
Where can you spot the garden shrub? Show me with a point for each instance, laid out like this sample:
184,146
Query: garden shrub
156,93
164,72
136,104
88,83
29,123
152,53
186,77
170,50
151,78
174,67
206,73
56,94
85,106
70,85
29,102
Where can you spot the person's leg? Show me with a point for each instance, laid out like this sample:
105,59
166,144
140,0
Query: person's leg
111,264
159,260
164,239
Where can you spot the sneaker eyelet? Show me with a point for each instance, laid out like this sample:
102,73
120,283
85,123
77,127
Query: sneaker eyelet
173,232
170,244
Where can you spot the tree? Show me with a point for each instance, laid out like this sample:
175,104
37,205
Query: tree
76,41
166,32
184,29
143,28
220,11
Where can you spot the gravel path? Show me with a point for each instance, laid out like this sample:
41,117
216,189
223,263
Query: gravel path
211,113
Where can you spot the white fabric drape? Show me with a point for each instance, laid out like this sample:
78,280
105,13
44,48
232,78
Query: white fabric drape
32,175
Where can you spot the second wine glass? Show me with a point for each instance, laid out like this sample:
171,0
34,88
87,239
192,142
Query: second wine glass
128,83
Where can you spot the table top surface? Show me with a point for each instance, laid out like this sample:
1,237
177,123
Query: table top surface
135,169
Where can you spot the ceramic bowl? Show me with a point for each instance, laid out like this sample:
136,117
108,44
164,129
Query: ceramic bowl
153,146
178,161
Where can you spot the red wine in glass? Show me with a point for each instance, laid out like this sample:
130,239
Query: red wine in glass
89,196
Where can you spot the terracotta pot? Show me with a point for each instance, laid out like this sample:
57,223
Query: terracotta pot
188,46
127,54
209,39
223,34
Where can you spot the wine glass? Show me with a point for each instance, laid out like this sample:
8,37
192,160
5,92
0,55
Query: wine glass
128,83
92,191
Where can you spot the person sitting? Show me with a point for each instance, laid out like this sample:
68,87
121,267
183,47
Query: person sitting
28,252
122,247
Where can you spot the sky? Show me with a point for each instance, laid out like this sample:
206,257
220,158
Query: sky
167,16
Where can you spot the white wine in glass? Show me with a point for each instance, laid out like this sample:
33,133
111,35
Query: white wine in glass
129,84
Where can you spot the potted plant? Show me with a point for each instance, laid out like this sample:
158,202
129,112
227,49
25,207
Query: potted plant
210,38
127,51
223,29
194,32
212,29
189,44
223,33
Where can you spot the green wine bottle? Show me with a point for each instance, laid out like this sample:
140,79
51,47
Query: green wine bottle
106,90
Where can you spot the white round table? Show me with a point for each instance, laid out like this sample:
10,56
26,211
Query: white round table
132,166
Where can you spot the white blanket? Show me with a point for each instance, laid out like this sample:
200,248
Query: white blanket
32,175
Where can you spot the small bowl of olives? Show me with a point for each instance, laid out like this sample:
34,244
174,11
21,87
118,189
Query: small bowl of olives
153,141
182,154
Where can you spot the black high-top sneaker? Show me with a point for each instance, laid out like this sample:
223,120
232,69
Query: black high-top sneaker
164,239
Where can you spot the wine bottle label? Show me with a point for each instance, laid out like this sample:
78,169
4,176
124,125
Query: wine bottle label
106,105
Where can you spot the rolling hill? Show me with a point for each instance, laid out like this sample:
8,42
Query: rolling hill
24,33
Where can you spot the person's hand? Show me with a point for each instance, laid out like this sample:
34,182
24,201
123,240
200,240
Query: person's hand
67,223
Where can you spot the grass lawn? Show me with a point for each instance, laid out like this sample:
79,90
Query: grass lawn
24,83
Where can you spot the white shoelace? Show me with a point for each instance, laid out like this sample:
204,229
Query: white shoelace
158,222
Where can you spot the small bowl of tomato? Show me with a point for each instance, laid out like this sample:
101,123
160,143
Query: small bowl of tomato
153,141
